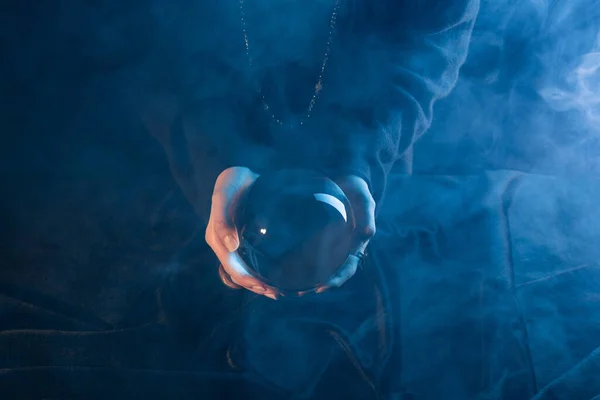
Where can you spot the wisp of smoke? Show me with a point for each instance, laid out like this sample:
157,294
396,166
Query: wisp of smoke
583,94
529,95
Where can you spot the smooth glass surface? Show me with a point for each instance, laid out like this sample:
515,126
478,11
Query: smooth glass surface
295,228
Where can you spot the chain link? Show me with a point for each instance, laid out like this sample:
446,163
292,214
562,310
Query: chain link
318,86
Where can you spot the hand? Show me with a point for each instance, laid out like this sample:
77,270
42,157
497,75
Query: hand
221,234
363,206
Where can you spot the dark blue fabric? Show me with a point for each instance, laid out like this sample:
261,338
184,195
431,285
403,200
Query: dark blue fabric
466,303
385,72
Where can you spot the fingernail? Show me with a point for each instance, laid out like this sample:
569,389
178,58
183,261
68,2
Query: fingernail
230,243
259,288
271,296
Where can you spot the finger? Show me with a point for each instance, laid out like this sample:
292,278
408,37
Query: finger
363,207
272,296
230,283
235,273
258,289
235,267
323,288
234,284
226,279
228,189
346,272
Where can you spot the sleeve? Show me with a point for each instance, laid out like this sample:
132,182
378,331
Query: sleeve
411,63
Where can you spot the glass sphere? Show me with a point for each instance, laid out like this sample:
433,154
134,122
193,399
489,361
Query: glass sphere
295,228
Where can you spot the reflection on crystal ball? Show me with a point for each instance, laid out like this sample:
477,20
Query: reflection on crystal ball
295,228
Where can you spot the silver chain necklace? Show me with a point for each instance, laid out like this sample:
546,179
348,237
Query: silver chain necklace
319,84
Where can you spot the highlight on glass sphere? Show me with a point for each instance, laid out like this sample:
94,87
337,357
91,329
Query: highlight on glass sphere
295,228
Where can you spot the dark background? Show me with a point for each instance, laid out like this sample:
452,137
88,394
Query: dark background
90,210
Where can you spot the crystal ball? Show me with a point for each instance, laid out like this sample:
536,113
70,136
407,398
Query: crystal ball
295,228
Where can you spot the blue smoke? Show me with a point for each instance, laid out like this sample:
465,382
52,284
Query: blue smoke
87,188
527,97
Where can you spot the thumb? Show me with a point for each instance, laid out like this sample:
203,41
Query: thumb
221,221
364,216
230,185
363,206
